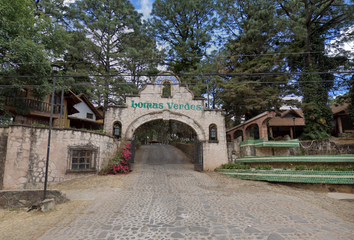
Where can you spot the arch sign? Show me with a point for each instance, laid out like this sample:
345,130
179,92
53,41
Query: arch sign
182,106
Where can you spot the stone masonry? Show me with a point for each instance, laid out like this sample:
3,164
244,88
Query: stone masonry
182,106
26,154
28,198
3,149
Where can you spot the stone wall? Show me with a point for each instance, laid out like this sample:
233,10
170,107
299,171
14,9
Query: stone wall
187,148
28,198
233,150
3,149
272,151
316,147
323,147
346,148
27,152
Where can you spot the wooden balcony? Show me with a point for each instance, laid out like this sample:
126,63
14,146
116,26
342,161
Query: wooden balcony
31,104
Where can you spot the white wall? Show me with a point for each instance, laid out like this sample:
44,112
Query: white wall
83,110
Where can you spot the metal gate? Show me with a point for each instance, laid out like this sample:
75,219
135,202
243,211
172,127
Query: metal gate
132,151
198,155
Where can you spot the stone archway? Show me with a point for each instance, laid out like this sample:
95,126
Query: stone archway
181,105
165,115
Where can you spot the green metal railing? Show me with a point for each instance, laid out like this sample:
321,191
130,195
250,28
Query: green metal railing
330,177
309,158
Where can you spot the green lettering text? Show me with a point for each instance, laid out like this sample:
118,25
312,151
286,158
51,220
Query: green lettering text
170,105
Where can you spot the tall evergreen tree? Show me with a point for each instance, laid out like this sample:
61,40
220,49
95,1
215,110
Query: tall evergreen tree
253,48
28,39
210,85
141,55
309,25
107,25
186,28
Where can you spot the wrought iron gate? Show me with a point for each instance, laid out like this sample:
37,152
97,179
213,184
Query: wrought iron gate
132,151
198,155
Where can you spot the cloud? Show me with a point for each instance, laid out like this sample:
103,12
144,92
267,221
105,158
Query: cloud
337,45
67,2
145,8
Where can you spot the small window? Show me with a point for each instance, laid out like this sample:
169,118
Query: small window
166,89
81,159
213,132
117,129
89,115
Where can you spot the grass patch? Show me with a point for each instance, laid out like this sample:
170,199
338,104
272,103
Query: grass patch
234,166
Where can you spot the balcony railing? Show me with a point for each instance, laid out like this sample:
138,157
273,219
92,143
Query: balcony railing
31,104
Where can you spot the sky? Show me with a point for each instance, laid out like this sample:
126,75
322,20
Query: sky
142,6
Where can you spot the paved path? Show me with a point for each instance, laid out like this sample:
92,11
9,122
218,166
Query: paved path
166,200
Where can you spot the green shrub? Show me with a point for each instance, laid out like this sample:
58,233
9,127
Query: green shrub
348,134
321,168
300,168
249,138
280,138
234,166
264,167
285,168
99,131
315,135
345,169
38,125
301,153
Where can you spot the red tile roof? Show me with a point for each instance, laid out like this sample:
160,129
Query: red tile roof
340,107
282,121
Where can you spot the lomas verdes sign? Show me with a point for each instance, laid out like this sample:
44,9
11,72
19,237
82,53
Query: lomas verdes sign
171,105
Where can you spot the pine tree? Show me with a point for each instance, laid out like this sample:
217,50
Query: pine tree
141,55
252,48
106,25
185,27
28,40
309,24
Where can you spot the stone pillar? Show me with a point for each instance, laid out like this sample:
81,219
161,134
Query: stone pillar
244,134
291,133
271,131
263,133
340,127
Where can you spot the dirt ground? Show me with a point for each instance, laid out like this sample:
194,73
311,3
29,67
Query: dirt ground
342,208
19,224
345,140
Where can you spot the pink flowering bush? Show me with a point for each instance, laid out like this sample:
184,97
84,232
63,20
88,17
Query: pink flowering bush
119,164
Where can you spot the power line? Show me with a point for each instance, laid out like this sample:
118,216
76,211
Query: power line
183,74
130,83
190,57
